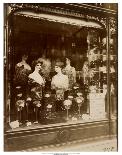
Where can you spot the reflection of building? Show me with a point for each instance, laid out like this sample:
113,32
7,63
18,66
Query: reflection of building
80,31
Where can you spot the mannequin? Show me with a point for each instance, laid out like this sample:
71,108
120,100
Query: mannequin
22,70
70,72
46,66
36,83
45,71
60,82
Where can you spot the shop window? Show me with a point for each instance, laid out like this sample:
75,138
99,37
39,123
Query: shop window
58,77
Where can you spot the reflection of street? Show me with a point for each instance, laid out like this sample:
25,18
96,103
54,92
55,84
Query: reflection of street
109,145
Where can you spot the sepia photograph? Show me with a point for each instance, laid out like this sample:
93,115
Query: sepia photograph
60,77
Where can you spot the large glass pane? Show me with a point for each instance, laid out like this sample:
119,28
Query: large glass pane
58,73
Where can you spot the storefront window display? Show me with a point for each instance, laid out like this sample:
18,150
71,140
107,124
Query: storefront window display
69,82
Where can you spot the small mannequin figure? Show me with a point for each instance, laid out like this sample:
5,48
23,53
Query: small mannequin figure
70,72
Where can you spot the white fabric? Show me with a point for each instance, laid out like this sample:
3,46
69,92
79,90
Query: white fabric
60,81
37,78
